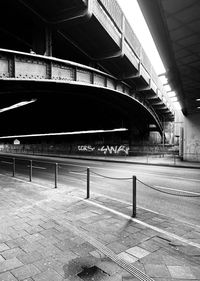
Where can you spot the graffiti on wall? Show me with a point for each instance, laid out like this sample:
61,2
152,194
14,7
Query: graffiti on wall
86,148
114,149
105,149
193,150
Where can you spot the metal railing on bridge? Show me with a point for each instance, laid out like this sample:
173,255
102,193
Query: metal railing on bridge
22,66
126,33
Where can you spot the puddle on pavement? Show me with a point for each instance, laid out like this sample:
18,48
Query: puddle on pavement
85,269
92,273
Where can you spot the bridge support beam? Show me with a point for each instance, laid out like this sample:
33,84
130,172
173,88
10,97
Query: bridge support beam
48,41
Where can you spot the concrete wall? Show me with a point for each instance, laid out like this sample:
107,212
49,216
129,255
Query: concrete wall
87,149
191,138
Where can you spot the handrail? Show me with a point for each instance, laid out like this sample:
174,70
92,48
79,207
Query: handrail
55,59
114,9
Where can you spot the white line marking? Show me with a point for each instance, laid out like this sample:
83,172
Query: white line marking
141,173
143,208
174,236
132,172
172,177
76,180
106,196
37,167
7,162
179,190
84,174
78,173
165,176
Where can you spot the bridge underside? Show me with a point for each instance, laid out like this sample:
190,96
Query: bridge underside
115,87
60,107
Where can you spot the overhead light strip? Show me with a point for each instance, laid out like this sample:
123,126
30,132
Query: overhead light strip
66,133
16,105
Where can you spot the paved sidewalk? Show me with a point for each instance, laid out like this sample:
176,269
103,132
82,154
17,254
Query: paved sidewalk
54,234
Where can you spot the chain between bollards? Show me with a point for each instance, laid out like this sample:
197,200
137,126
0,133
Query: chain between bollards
88,183
134,197
56,175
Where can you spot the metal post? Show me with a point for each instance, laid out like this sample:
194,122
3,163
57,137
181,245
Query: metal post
88,183
30,170
181,143
13,167
56,174
134,197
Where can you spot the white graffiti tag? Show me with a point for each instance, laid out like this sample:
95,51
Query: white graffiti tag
114,149
87,148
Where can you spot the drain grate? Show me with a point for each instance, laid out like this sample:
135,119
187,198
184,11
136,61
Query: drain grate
92,273
110,254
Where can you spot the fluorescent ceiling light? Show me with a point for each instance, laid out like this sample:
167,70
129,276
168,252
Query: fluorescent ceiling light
163,79
177,105
171,94
197,99
173,99
136,20
16,105
66,133
167,88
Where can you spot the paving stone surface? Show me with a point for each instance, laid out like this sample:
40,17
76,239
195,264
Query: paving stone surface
138,252
53,234
127,257
181,272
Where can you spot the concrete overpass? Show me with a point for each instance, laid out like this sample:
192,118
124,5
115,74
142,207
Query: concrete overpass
175,26
86,70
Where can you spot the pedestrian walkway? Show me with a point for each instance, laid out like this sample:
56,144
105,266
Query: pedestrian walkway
55,234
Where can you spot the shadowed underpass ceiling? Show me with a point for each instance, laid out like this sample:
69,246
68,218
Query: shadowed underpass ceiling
61,107
175,26
66,108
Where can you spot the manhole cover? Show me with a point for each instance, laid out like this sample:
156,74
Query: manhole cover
92,273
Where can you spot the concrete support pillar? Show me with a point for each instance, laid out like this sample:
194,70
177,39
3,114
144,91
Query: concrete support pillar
134,136
191,138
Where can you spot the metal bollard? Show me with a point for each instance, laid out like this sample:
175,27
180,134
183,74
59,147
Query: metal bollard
134,197
13,167
88,183
56,174
30,170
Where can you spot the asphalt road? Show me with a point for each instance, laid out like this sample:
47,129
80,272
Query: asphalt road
177,193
